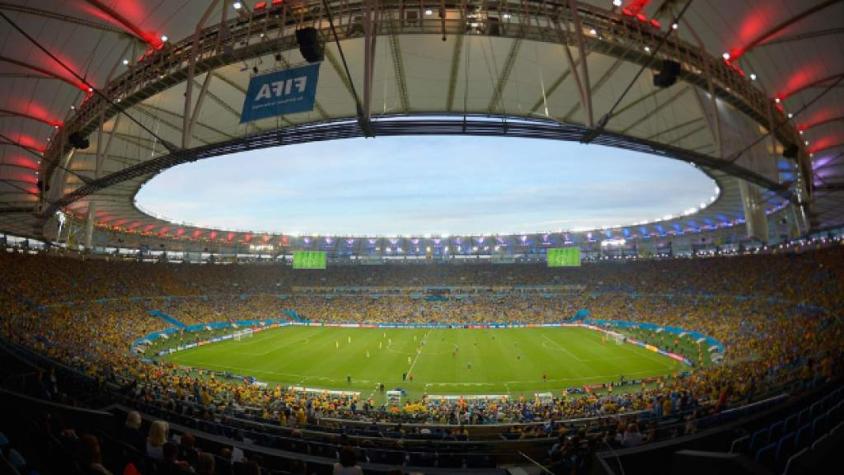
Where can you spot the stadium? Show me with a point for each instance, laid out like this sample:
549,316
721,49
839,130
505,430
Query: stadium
388,237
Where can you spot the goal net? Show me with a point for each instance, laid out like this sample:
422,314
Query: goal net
243,334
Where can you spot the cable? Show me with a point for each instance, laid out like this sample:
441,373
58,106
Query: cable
170,147
604,120
363,123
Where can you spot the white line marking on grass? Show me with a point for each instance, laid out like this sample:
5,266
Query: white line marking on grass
564,349
418,352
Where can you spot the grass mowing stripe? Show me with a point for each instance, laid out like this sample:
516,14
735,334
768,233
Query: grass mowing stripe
503,361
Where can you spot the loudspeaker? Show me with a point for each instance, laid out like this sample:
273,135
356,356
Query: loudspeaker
76,140
310,45
667,74
790,151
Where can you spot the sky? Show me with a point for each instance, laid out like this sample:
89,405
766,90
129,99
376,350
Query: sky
426,185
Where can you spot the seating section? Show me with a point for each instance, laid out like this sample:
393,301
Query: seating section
775,445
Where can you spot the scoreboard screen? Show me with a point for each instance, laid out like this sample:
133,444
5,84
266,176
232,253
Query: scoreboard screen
309,259
564,257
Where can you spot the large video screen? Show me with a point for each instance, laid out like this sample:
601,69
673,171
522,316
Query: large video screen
564,257
309,259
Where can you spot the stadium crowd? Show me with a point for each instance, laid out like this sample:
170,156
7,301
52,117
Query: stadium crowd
777,315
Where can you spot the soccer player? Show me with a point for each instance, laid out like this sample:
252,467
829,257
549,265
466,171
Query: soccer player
380,344
337,344
350,339
367,353
408,360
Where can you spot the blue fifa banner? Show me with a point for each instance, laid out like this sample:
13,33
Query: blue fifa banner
280,93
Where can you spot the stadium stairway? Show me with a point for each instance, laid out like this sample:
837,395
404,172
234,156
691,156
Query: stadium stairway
295,317
167,318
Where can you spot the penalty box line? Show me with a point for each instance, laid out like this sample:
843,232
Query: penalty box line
418,353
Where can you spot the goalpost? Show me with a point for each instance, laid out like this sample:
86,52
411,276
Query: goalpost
247,333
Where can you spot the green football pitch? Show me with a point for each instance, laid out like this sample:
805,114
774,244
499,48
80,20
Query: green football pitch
441,361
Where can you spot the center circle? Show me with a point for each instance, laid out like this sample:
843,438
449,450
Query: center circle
426,185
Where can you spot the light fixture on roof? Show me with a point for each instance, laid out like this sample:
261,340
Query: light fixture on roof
506,16
801,132
616,3
237,5
752,76
647,49
125,62
790,115
674,26
806,142
72,107
726,56
593,32
777,100
164,38
429,12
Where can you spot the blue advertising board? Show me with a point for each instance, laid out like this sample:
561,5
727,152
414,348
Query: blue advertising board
280,93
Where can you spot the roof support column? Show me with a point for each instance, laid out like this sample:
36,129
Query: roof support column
584,88
89,224
188,118
370,10
715,124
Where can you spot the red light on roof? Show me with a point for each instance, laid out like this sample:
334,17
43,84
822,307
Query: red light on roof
212,235
21,176
260,6
180,231
229,236
247,238
277,2
21,162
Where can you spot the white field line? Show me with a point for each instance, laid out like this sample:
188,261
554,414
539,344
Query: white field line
566,351
418,353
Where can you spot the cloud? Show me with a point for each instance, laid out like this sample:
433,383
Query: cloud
412,185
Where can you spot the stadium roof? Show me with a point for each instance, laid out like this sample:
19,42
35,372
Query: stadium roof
118,73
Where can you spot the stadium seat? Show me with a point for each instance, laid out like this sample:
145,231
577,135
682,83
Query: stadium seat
777,429
793,460
815,409
740,445
803,417
766,455
785,448
804,437
791,423
820,425
759,439
819,441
